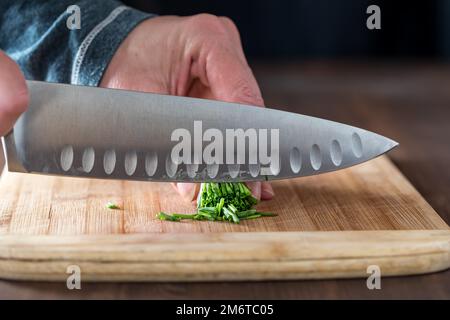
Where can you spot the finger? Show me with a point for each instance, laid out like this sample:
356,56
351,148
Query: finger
13,93
267,192
228,76
255,188
189,191
224,69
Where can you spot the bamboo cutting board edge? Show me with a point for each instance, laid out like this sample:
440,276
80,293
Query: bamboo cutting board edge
211,257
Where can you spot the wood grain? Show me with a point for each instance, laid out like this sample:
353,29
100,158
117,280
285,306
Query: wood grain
371,196
48,223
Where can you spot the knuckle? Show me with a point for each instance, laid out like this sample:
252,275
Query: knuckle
245,93
229,24
205,22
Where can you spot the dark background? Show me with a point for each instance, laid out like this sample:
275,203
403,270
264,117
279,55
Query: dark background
305,29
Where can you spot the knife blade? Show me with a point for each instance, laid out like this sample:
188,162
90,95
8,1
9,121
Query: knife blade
117,134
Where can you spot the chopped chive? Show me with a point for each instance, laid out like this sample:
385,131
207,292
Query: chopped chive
266,214
183,216
164,216
246,213
224,201
112,206
251,217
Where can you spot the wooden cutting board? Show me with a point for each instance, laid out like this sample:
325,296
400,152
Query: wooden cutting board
331,225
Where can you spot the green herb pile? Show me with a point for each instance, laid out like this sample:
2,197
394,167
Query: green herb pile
223,201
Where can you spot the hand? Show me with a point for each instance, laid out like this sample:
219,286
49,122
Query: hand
198,56
13,93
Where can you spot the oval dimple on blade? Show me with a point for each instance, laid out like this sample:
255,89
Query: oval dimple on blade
192,170
254,169
151,163
295,160
336,152
109,161
212,170
130,162
66,158
233,170
357,146
88,159
171,167
315,157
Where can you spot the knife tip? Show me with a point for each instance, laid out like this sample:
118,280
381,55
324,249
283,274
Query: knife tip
390,144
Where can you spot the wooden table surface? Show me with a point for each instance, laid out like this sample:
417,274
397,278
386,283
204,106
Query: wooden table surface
409,102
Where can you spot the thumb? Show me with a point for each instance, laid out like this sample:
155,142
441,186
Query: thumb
13,93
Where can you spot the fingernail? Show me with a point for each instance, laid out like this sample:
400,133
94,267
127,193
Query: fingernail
255,188
267,192
186,190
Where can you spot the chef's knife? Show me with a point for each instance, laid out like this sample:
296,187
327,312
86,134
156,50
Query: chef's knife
105,133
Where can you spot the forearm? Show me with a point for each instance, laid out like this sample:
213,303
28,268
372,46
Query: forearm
36,36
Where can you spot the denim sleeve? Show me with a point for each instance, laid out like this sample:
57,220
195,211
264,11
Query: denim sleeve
37,36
